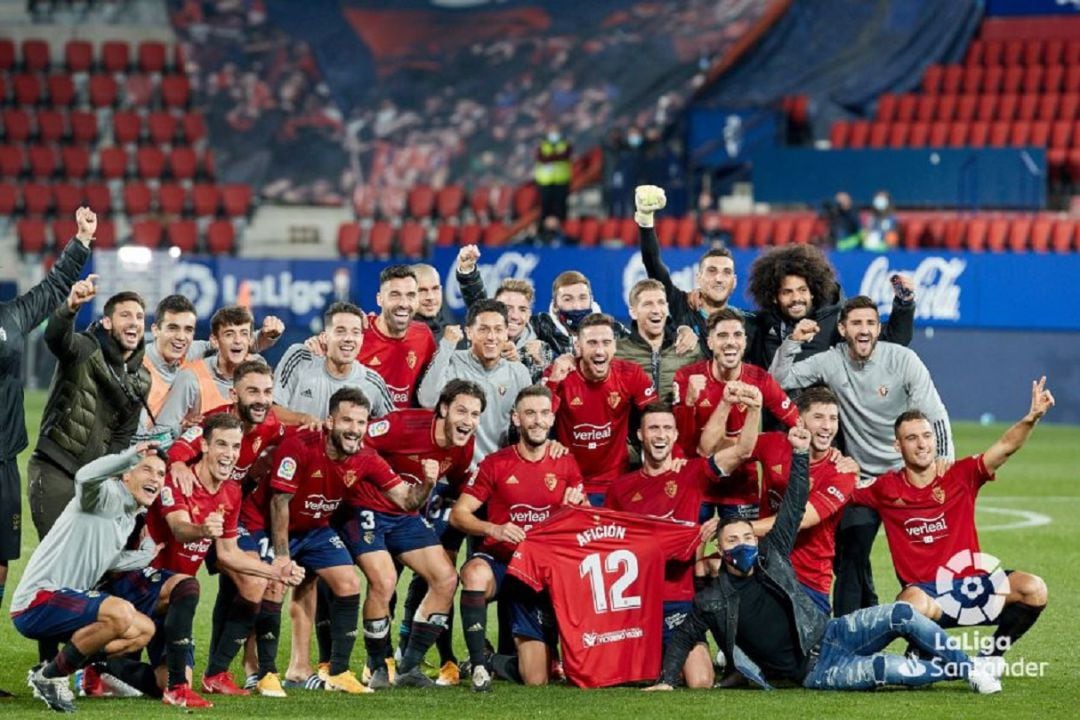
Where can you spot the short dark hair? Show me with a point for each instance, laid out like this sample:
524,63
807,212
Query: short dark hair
859,302
717,252
122,297
460,387
174,304
817,395
730,520
229,316
396,272
348,394
251,367
656,407
337,309
485,306
597,320
532,391
723,315
220,421
908,416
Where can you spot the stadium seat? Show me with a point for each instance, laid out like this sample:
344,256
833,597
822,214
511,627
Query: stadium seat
183,234
68,197
919,135
205,199
629,232
686,236
236,200
1019,133
804,230
63,229
17,127
1014,52
127,127
609,230
1019,233
151,56
952,78
115,56
411,239
1032,81
1053,79
348,240
913,228
98,198
926,109
879,134
993,79
194,127
946,107
42,160
84,126
221,238
1048,106
1027,107
28,89
992,52
972,80
905,107
137,198
31,232
998,234
480,200
7,55
1013,79
175,90
103,90
78,55
448,201
35,55
421,201
783,230
743,231
838,135
898,134
939,134
105,238
146,233
446,235
954,234
590,232
112,163
526,199
999,133
1062,239
380,242
859,134
987,108
149,163
666,227
977,229
51,126
763,230
37,198
1033,51
1053,52
974,53
9,198
502,197
171,198
138,90
886,107
979,134
495,234
470,234
958,134
12,160
931,81
183,163
1041,230
1007,105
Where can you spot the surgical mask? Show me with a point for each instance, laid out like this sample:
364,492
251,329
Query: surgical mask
741,557
634,141
554,137
881,203
572,318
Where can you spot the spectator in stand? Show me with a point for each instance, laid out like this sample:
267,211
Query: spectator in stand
554,170
622,171
882,230
845,230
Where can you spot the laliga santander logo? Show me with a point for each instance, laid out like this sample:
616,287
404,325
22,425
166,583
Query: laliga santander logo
508,265
196,282
684,279
974,599
937,296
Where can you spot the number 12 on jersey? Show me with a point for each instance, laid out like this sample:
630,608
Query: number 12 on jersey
622,563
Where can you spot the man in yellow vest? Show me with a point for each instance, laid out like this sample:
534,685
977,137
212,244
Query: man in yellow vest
553,172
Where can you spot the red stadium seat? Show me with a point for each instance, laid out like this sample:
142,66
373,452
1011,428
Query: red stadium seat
146,233
445,235
999,133
931,81
150,162
1041,230
1033,51
31,232
12,160
175,90
590,232
1027,107
448,201
43,160
977,229
35,55
974,54
98,198
1032,81
17,128
381,240
412,240
183,234
51,126
470,234
859,134
979,134
879,134
763,230
783,230
946,107
502,197
998,234
348,240
628,232
7,55
939,134
993,79
919,135
913,228
1019,234
113,163
1070,103
905,107
954,234
9,198
194,127
78,55
1053,52
480,200
1013,79
183,163
137,199
987,109
886,107
666,227
105,239
151,56
972,81
205,199
926,109
572,228
743,232
526,199
1053,79
1061,133
1007,105
68,198
171,198
495,234
236,200
127,127
958,134
838,135
421,201
138,90
103,90
1014,52
1040,134
898,134
28,89
952,79
993,52
686,235
162,127
220,238
1020,133
63,229
1048,107
804,230
84,126
37,198
115,56
1062,239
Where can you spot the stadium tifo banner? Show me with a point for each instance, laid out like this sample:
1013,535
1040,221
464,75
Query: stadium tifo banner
953,290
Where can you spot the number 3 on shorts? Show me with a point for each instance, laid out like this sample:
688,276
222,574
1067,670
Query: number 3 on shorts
367,520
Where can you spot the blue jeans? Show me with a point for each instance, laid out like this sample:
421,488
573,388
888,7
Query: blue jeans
851,658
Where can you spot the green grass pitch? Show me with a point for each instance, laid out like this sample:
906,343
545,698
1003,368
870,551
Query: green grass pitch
1041,480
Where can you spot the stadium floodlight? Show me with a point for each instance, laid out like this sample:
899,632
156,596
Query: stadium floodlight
131,255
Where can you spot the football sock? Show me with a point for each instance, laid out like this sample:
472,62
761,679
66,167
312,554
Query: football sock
226,592
238,624
445,642
179,619
66,662
344,613
413,597
421,639
323,600
377,642
474,622
267,635
1014,621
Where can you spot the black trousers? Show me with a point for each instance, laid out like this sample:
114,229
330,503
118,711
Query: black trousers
854,588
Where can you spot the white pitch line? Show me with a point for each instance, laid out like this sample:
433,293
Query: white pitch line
1027,519
1051,498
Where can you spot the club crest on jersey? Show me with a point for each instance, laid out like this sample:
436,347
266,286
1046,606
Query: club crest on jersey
444,466
410,360
883,390
550,481
369,538
613,399
255,445
938,493
350,478
287,469
378,428
502,389
670,488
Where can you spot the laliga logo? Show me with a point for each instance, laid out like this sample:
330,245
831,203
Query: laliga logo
197,283
975,599
508,265
635,270
937,296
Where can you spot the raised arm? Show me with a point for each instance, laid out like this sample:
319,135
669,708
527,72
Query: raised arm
791,374
789,517
1015,437
35,305
901,325
468,276
731,457
60,336
438,371
90,477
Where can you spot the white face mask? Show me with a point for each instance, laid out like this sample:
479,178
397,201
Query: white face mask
881,203
553,137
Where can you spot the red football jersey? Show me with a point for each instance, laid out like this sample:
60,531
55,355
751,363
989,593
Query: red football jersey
405,438
520,491
400,361
259,443
830,491
927,526
187,558
592,419
742,488
604,571
668,496
317,483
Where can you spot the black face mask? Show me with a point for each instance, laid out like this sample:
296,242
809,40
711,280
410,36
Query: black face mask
572,318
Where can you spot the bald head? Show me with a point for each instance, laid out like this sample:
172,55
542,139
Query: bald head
429,288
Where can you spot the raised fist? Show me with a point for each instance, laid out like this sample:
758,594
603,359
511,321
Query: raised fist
431,470
799,437
647,200
563,366
466,259
214,525
805,330
694,388
272,327
452,334
86,220
750,395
